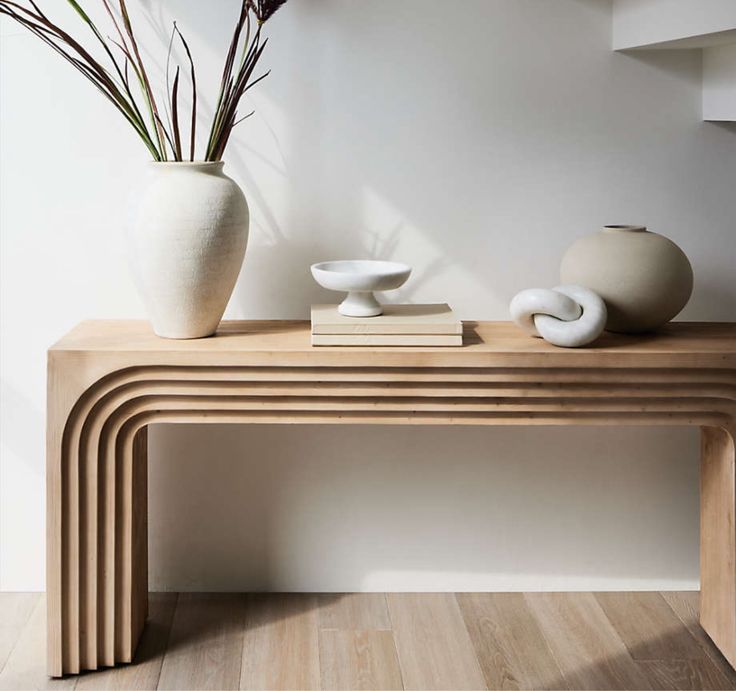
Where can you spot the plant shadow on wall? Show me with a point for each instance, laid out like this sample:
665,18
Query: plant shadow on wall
190,232
292,255
425,155
264,170
371,157
350,143
358,152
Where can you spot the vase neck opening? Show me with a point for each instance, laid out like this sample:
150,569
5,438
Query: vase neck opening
188,166
625,229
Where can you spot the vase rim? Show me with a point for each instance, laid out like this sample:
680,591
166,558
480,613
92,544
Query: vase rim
187,164
625,228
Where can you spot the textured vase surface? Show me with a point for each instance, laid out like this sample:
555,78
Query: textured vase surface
187,246
644,278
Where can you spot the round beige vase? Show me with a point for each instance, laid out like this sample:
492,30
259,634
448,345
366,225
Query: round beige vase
644,278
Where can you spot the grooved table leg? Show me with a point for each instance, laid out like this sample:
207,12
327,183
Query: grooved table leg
718,538
131,541
139,565
56,638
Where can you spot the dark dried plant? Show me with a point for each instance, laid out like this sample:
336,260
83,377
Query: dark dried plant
122,56
264,9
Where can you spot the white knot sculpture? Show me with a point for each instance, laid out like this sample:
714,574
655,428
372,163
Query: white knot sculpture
567,316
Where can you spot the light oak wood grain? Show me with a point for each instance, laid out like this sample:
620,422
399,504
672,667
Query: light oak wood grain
109,380
686,605
358,660
15,611
654,635
145,671
433,644
511,649
683,675
281,643
718,537
137,571
587,648
205,644
291,338
506,642
648,627
25,668
354,611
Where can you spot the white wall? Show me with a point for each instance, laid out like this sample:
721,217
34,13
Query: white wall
475,143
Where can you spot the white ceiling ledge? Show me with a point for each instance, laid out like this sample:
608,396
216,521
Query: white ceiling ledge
719,83
687,24
673,23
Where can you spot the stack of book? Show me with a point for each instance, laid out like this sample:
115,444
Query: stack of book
399,325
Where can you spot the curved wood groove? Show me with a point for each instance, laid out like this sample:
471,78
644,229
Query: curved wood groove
164,398
102,400
109,407
98,620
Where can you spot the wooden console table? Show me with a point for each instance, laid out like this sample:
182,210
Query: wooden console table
108,380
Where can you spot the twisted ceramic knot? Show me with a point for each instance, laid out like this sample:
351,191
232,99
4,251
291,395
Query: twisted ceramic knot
567,316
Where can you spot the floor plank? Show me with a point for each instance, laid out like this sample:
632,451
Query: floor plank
587,648
655,635
686,606
358,660
648,627
15,611
281,644
684,675
354,612
145,671
510,646
25,668
206,643
505,641
433,644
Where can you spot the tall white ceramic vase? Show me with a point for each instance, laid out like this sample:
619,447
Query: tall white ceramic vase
187,245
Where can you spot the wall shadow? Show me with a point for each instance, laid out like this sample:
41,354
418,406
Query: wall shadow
477,166
421,508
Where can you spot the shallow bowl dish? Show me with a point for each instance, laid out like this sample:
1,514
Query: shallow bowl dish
359,278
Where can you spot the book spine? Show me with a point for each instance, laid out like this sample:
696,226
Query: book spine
386,340
383,329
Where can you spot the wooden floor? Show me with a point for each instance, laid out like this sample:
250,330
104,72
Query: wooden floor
394,641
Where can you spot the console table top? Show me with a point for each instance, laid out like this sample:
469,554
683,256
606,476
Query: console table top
108,381
486,344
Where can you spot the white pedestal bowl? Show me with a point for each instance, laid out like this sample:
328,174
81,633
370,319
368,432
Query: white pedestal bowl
359,278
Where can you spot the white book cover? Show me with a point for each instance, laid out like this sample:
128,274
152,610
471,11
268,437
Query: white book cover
426,320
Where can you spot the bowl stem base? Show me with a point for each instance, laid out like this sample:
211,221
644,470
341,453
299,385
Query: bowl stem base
360,304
